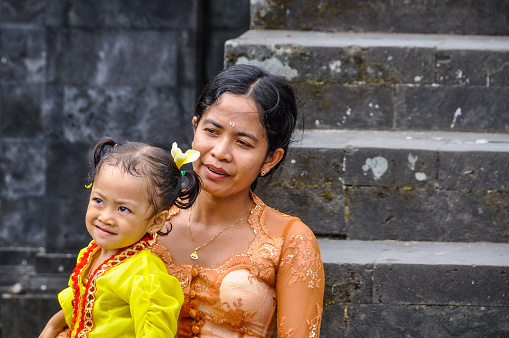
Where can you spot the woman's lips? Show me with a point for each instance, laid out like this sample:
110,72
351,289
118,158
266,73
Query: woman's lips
217,171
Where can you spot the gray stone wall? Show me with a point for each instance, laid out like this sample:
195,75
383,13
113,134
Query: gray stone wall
71,72
74,71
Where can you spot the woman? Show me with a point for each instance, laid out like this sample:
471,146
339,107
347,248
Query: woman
243,266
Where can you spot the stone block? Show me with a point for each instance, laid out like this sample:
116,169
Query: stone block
478,215
17,255
26,315
333,321
55,13
348,283
23,58
47,283
450,17
54,263
390,167
470,285
187,64
20,107
182,126
310,178
21,221
214,62
482,165
10,275
329,106
52,111
65,225
453,108
227,14
28,11
157,14
383,320
345,58
151,114
121,58
478,68
22,168
397,214
67,169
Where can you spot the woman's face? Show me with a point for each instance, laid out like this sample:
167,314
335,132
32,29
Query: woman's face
233,146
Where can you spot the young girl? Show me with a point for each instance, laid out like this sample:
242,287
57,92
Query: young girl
118,287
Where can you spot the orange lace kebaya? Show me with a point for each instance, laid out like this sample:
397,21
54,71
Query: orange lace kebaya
278,282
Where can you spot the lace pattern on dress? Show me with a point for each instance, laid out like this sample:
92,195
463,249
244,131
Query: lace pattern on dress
210,298
304,260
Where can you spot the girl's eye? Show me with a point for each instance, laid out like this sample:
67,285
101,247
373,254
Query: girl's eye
98,200
124,209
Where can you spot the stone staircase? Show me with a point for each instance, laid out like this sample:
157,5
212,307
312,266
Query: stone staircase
402,168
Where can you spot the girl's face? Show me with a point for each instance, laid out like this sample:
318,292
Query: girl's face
233,146
119,213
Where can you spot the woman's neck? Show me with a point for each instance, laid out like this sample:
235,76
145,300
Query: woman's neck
210,209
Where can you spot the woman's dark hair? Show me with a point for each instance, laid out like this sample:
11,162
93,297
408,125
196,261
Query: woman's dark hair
276,100
168,186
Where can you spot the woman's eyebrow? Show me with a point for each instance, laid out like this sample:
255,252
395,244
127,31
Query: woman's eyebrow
213,122
240,133
248,135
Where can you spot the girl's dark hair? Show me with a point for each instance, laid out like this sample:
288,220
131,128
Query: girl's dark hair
167,185
276,100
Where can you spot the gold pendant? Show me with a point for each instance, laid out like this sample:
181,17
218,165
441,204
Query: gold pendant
194,255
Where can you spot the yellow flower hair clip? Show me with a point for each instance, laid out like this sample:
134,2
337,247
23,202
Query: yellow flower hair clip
181,158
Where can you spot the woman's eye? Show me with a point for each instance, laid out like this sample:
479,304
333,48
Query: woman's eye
244,144
210,131
124,209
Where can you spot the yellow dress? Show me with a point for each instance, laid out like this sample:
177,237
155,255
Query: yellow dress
279,282
129,295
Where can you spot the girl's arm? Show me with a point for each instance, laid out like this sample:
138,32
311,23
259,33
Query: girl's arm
54,326
155,301
299,285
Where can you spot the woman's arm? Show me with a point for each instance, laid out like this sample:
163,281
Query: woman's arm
54,326
300,285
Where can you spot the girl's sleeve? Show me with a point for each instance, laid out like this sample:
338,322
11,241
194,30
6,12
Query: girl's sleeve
155,303
65,298
299,285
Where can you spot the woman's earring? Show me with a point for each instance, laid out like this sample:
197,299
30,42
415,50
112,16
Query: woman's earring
262,173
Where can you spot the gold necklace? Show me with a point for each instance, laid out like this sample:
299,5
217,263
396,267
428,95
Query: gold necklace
194,255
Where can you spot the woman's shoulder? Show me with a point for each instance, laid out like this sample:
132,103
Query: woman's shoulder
279,223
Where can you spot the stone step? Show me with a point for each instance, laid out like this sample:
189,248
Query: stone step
26,315
382,185
55,262
487,17
371,286
387,81
415,289
18,255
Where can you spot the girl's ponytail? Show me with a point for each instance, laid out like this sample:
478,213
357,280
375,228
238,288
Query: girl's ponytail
189,189
100,149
